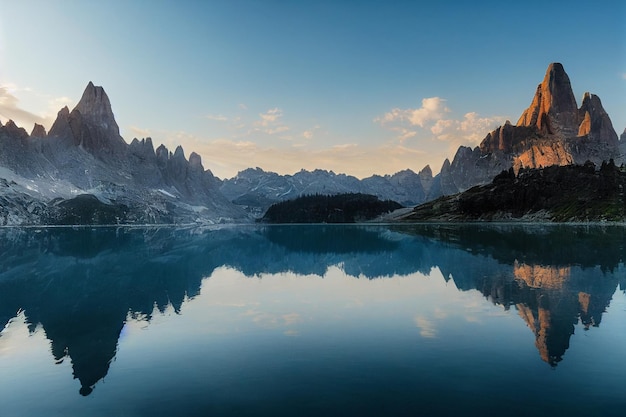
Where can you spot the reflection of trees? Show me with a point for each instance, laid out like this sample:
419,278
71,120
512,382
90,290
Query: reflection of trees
82,284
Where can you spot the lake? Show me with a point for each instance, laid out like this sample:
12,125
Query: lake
397,320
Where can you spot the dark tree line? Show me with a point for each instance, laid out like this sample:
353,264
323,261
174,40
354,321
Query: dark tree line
339,208
571,192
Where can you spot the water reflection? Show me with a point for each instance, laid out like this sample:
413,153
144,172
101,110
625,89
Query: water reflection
555,276
81,286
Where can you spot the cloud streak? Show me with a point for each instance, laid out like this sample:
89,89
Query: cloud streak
216,117
10,109
270,123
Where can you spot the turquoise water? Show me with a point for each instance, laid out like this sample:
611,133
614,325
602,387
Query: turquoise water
313,320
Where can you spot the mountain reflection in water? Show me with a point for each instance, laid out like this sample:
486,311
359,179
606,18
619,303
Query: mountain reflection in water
82,285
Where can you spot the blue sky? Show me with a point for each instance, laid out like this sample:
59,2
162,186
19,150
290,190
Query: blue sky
360,87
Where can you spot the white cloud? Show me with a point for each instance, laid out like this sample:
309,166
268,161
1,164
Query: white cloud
431,117
216,117
270,123
308,134
270,116
277,129
441,126
470,130
432,108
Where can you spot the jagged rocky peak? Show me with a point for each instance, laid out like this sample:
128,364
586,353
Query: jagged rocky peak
595,121
143,149
142,146
426,172
622,137
61,126
195,162
91,125
95,105
553,109
14,131
426,178
38,131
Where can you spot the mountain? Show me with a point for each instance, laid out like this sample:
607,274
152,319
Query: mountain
554,193
45,175
553,130
256,189
84,153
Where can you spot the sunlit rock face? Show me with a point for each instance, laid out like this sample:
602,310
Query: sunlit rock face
553,109
553,130
538,276
539,156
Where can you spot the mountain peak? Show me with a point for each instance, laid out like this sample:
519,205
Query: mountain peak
553,109
595,122
95,105
91,124
38,131
14,130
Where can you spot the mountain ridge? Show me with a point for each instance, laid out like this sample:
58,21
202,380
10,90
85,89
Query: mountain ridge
84,153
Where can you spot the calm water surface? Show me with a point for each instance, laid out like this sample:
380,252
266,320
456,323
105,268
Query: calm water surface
313,320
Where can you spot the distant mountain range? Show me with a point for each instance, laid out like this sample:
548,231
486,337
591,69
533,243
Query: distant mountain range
256,190
43,173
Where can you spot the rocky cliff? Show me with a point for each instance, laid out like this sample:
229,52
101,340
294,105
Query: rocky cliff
553,130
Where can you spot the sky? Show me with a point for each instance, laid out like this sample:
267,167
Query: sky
357,87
